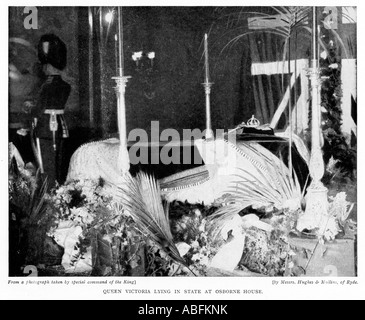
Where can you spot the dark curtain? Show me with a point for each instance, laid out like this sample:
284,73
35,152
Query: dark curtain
267,90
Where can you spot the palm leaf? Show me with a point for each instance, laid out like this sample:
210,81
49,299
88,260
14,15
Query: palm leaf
222,216
280,173
281,10
270,184
141,198
237,38
261,158
252,188
255,185
338,37
292,18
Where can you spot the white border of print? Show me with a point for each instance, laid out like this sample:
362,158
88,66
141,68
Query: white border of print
90,292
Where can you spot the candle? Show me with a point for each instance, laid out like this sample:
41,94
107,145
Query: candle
206,59
209,133
116,53
314,37
120,37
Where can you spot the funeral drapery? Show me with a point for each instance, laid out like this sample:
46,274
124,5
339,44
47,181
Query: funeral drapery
266,74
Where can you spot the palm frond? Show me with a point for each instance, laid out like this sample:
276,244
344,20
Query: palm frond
237,38
302,21
291,18
222,216
270,184
348,17
141,198
281,10
252,189
338,37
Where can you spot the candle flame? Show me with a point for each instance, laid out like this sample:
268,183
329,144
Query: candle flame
109,17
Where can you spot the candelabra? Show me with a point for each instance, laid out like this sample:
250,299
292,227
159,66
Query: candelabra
316,212
121,82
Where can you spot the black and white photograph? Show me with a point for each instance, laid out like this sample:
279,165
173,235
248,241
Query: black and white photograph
188,144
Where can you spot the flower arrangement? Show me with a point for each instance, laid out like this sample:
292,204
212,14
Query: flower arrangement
268,254
265,247
102,236
197,247
31,214
79,201
88,216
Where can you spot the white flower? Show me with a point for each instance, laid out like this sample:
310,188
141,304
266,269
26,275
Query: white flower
88,219
151,55
82,216
195,257
163,254
69,187
174,268
202,225
197,213
340,208
283,256
330,229
67,198
204,236
292,253
78,184
60,190
204,260
183,248
331,165
195,244
292,204
137,55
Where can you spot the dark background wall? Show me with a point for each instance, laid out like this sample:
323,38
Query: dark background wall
170,92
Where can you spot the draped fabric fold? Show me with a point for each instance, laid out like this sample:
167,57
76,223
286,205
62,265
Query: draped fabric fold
269,75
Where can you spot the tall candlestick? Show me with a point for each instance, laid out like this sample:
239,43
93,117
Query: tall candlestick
91,69
206,59
121,81
120,43
316,213
207,85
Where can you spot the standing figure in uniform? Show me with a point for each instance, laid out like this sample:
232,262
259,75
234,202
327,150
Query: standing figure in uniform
24,85
49,123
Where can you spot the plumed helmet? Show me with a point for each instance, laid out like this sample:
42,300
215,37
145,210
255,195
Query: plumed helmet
52,50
